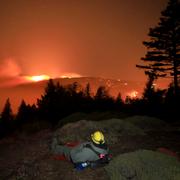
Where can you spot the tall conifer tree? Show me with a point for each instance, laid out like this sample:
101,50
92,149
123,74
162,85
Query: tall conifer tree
7,117
163,47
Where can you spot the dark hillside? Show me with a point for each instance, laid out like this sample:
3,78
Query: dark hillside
27,156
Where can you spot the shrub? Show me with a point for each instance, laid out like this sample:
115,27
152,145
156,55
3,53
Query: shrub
112,128
144,165
72,118
146,122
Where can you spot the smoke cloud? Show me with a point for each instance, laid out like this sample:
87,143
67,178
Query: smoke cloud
9,68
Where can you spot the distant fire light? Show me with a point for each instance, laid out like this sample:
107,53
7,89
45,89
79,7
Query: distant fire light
70,75
133,94
37,78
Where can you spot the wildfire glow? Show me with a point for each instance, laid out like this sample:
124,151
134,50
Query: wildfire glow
37,78
70,75
133,94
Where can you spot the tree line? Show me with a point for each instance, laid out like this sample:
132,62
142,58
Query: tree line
162,60
59,101
55,103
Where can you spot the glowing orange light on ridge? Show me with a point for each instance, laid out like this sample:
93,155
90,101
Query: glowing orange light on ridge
70,75
133,94
37,78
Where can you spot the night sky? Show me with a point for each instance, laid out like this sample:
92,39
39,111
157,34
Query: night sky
84,37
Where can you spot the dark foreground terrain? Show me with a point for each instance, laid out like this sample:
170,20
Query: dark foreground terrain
27,156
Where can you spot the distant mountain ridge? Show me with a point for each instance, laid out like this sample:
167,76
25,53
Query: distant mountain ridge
32,90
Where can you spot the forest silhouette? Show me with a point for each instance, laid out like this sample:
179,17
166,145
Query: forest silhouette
161,60
59,101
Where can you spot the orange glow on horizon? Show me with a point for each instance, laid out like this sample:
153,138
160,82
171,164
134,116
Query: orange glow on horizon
46,77
133,94
37,78
70,75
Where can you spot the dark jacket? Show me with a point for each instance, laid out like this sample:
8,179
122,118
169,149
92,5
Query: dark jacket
83,153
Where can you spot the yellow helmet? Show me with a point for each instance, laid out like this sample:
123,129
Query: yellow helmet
98,137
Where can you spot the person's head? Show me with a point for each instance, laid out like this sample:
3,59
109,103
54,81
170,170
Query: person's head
98,138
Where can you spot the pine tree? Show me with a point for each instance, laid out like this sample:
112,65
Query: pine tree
7,117
163,48
149,90
22,115
48,97
7,112
101,93
87,91
102,99
47,104
50,88
119,101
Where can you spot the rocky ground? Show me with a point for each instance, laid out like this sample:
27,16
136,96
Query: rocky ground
26,157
